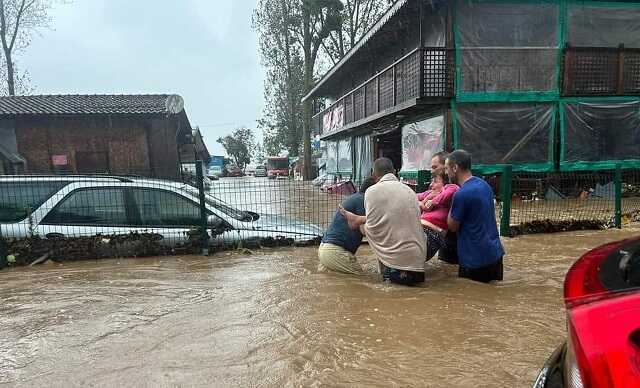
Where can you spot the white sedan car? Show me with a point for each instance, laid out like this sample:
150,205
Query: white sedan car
76,206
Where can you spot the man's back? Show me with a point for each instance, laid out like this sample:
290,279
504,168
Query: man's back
478,240
339,232
393,225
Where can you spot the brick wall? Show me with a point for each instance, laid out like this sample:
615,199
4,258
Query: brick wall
120,142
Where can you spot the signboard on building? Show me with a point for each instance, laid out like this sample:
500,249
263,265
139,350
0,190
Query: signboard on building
420,141
59,160
333,120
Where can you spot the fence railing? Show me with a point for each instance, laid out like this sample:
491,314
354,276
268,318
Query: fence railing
94,216
82,217
601,71
423,73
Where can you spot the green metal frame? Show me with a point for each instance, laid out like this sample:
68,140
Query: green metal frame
504,96
589,165
517,167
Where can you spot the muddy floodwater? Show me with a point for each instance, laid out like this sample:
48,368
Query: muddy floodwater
270,319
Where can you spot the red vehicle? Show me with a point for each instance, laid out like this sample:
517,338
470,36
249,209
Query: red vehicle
602,299
277,166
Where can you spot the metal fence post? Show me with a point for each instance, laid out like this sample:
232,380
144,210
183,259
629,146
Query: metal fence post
204,236
422,183
618,197
3,252
505,195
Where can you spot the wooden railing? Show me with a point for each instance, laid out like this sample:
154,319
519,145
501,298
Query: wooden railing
601,71
423,73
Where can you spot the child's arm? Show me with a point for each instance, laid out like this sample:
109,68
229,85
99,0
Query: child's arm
444,198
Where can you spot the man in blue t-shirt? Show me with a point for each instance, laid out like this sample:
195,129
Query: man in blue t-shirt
340,243
473,217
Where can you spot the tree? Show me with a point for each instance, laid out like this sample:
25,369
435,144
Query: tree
18,20
283,92
358,16
296,38
239,146
258,155
318,19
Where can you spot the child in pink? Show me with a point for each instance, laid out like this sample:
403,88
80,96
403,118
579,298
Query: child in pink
435,205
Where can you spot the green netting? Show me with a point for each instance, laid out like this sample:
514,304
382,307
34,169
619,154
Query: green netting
507,50
599,133
520,134
589,26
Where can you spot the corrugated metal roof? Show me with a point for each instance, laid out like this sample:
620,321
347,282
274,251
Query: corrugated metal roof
372,31
84,104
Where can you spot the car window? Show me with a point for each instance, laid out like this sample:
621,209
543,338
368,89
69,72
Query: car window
164,208
620,271
19,199
96,206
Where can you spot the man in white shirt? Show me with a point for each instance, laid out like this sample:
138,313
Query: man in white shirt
392,226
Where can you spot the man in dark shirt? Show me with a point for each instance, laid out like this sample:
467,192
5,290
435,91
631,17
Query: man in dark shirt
340,243
473,217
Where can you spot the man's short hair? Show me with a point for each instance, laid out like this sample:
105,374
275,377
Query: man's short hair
366,184
382,167
442,156
461,158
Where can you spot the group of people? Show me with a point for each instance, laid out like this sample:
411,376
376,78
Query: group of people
454,218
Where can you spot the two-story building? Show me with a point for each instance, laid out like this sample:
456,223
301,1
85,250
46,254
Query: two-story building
541,85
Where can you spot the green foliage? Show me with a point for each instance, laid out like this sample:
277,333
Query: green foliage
239,146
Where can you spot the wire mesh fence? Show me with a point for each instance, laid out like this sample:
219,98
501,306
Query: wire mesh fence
561,201
94,216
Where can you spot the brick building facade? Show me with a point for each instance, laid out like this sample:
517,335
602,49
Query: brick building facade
136,134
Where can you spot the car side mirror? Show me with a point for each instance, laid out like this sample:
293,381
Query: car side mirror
216,223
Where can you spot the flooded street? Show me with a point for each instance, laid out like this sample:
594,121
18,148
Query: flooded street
271,319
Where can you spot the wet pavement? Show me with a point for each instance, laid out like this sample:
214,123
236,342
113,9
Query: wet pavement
271,319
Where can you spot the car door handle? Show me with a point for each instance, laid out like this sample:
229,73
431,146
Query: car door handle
54,235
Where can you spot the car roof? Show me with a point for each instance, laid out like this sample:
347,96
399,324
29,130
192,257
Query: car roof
64,178
94,178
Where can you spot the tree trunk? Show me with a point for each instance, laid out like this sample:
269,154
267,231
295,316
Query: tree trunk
10,76
306,124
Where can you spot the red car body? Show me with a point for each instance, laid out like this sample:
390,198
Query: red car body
602,299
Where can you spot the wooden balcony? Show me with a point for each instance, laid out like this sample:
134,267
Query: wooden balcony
423,74
601,71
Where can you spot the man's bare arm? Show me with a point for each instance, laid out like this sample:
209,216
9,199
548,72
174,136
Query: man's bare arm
355,221
453,225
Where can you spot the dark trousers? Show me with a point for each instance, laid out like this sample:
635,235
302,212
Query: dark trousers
485,274
449,252
435,242
406,278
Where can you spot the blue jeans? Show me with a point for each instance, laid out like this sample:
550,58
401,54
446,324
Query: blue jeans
406,278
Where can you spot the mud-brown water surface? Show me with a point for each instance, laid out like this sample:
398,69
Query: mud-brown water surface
271,319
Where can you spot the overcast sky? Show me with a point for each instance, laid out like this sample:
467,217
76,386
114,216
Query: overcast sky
204,50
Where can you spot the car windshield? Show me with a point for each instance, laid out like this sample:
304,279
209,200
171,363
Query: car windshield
216,203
